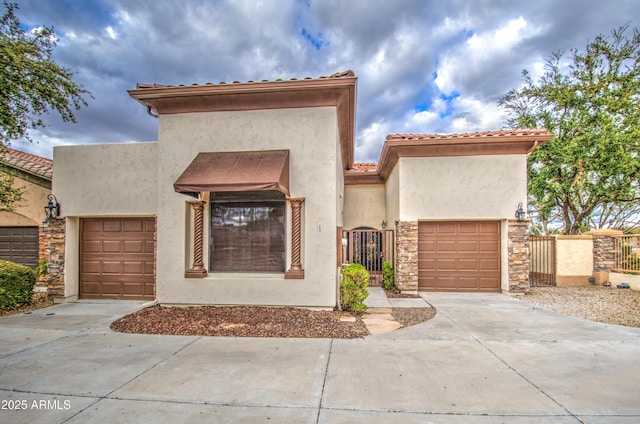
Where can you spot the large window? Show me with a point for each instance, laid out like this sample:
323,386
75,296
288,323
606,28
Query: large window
247,232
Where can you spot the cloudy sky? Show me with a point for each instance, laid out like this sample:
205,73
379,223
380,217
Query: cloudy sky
423,66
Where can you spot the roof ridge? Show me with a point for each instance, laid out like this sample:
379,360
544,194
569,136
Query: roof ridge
495,133
337,75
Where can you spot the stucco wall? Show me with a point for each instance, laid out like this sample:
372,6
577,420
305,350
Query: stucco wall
364,206
29,212
392,197
462,187
106,179
574,260
311,137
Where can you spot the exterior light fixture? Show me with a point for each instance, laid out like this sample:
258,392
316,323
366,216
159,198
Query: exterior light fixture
52,210
520,213
383,224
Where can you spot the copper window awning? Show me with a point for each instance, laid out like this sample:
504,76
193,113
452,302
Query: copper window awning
236,171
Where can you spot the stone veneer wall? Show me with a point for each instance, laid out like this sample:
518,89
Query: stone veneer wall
519,261
52,250
603,253
407,256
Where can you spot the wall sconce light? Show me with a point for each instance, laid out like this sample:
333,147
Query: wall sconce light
520,213
383,224
52,210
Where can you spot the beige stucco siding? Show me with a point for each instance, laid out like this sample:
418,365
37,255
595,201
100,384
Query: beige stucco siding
392,196
464,187
106,179
364,206
311,137
574,260
29,211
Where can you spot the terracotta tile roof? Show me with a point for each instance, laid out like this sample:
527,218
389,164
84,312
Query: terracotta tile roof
33,164
485,134
365,166
343,74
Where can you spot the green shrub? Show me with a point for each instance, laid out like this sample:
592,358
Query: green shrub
16,284
353,289
387,276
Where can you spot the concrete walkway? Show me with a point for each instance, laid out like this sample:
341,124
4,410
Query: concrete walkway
378,318
483,358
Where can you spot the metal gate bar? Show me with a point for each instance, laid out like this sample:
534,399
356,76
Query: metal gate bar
543,261
370,248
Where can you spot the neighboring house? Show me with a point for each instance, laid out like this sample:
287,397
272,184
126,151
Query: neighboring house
19,228
247,194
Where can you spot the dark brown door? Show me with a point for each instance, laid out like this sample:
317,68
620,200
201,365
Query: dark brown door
117,258
19,245
459,256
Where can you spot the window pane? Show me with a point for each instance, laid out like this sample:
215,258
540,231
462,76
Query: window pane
247,236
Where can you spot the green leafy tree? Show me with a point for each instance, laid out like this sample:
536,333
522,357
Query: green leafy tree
31,85
588,175
9,195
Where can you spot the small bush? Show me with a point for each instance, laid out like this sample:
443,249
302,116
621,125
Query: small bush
16,284
353,289
387,276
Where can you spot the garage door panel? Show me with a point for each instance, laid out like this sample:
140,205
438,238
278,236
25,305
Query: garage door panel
134,246
133,226
445,246
111,225
111,246
118,257
461,256
19,245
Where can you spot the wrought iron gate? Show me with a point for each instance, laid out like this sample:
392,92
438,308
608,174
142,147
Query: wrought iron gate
370,248
543,261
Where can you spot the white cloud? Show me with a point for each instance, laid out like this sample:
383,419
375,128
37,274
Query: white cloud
480,55
111,33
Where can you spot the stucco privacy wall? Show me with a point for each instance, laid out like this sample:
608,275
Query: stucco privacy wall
574,260
310,135
364,206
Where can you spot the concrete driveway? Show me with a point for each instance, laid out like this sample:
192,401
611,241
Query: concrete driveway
484,358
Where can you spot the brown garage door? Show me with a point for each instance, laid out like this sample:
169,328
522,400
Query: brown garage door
459,256
19,245
117,258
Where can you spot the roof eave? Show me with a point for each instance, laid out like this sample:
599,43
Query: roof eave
393,150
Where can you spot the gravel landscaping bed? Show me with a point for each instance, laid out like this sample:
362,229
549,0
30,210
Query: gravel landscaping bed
256,321
601,304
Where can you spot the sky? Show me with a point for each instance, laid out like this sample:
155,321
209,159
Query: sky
423,66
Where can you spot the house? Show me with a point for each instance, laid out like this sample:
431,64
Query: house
19,229
251,196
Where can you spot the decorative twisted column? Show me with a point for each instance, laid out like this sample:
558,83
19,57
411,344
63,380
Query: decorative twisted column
197,270
296,271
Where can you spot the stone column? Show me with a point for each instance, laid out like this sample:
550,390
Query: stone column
51,250
296,270
604,253
519,263
197,270
407,256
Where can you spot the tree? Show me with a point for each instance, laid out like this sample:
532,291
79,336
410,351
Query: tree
31,85
9,195
588,175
